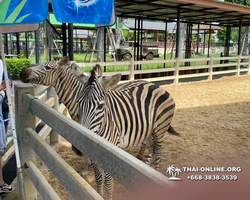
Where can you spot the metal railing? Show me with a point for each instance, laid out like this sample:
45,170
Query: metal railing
233,67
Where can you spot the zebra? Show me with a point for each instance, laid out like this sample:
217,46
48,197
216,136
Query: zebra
83,77
126,117
58,74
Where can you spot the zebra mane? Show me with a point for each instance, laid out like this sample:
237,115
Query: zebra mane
92,76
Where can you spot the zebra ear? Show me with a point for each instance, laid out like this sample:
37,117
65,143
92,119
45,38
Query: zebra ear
64,61
78,73
98,70
110,82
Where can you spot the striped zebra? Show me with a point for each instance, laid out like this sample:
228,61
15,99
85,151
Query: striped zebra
58,74
126,117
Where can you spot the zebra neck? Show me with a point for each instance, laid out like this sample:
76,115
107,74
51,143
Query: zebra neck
67,88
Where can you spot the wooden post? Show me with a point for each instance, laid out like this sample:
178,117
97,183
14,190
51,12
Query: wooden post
210,77
132,70
54,137
248,72
25,119
176,73
238,65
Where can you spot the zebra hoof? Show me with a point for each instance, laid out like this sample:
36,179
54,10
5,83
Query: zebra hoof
139,157
85,173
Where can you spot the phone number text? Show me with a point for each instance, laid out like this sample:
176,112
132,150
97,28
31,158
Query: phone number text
212,177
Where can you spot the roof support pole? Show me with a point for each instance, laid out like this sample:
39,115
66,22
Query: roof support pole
27,44
81,44
165,42
70,46
209,40
239,41
135,39
17,44
204,42
227,41
177,34
11,44
6,44
64,39
141,28
138,43
105,48
188,43
37,46
198,39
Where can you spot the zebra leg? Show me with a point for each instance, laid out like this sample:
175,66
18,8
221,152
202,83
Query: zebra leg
141,152
86,167
99,177
109,185
158,140
150,144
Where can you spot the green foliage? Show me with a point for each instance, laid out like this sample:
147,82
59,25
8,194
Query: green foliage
221,34
240,2
21,56
15,66
194,38
128,35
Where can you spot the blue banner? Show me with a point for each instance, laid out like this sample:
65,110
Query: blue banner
23,11
83,11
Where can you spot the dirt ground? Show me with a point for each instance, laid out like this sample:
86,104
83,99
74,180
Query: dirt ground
213,118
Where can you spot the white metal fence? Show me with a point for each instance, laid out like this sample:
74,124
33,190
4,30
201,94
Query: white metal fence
233,67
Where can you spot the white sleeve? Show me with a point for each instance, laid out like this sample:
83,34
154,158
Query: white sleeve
1,71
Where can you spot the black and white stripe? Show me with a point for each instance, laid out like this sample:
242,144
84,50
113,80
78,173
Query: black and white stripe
128,117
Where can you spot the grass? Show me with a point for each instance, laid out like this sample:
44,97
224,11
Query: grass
80,58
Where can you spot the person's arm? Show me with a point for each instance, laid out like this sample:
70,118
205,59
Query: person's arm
3,85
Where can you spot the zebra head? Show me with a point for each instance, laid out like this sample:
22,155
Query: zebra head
93,99
45,73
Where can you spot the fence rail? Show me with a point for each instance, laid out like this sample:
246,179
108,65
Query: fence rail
239,61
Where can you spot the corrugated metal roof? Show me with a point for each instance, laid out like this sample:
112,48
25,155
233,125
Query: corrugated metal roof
194,11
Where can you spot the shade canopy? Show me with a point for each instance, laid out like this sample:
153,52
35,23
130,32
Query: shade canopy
193,11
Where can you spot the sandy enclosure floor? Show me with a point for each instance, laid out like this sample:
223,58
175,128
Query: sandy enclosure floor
213,118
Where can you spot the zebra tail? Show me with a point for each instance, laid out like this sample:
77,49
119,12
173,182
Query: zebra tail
173,132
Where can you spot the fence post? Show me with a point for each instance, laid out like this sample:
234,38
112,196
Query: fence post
25,119
54,136
210,77
248,72
132,70
238,65
176,73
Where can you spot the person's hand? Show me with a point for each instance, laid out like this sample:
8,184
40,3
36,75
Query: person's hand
3,85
